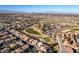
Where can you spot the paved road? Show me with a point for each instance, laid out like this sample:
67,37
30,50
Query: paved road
61,45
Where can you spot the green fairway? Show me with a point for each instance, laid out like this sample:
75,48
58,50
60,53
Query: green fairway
1,36
32,31
77,29
47,39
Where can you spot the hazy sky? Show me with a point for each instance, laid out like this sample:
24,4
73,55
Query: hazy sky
41,8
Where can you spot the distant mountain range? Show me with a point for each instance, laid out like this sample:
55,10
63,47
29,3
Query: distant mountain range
59,12
12,12
46,12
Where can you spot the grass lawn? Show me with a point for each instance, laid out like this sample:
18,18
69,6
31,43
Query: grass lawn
32,31
71,30
47,39
77,29
1,37
38,32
